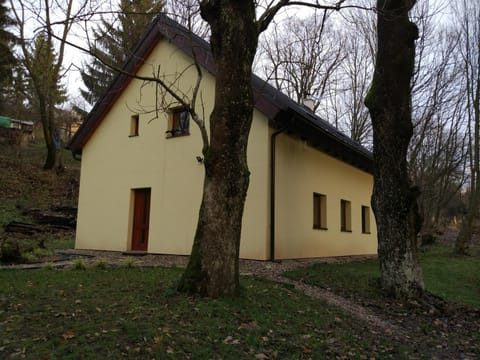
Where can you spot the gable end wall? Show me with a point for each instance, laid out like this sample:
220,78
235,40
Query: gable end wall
113,164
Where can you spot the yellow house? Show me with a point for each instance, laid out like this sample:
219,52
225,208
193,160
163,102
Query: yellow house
142,172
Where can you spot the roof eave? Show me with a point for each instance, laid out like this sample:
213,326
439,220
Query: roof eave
289,121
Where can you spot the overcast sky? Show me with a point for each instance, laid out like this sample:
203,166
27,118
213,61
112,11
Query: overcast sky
75,58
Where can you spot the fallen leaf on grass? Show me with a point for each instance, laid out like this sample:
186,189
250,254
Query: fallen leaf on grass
67,335
261,356
252,325
231,340
157,339
307,350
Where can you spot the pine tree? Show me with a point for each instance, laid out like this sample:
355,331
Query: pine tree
114,42
7,58
46,92
45,78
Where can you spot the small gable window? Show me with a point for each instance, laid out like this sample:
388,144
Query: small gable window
179,123
134,120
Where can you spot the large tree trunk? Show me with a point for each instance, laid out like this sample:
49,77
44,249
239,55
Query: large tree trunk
394,201
213,266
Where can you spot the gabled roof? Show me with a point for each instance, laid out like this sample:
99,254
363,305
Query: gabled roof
283,113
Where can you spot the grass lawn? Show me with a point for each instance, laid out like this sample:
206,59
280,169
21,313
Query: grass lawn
124,312
457,279
450,325
134,313
67,241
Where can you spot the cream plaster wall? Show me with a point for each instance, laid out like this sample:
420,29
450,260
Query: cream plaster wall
301,171
113,164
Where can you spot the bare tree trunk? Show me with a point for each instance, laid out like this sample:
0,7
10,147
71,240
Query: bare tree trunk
394,201
48,125
469,29
213,266
465,235
45,79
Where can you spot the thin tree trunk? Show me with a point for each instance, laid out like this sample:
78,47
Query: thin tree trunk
394,201
46,117
465,235
213,267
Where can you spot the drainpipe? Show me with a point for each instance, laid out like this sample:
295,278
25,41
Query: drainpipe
272,193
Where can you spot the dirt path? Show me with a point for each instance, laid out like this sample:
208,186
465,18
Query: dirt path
274,271
351,308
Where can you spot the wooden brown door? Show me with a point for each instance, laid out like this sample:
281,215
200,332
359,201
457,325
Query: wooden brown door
141,216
